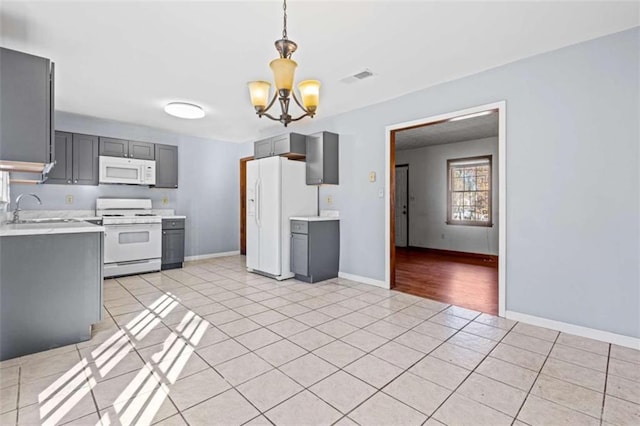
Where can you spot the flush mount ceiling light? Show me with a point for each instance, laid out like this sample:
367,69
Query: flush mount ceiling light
283,72
184,110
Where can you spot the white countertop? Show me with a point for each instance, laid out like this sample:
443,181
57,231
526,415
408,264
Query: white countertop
173,216
313,218
75,227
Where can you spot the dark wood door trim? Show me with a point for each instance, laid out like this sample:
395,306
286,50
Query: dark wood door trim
392,199
243,204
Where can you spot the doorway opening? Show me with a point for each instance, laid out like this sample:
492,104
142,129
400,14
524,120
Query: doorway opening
446,208
243,204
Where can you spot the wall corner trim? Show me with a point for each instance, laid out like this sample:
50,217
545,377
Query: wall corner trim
578,330
363,280
211,255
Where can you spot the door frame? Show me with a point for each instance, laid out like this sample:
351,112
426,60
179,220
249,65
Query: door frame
390,160
243,204
394,192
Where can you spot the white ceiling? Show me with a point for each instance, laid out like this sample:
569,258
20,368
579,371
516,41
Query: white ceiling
485,126
124,60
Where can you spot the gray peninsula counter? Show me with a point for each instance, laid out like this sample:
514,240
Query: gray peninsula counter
50,285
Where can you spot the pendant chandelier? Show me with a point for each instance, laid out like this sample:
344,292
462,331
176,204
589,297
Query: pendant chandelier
283,72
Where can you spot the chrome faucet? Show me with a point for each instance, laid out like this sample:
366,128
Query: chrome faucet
16,212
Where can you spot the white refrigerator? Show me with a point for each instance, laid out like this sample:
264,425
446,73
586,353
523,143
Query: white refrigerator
276,190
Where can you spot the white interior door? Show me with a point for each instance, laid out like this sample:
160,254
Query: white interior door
269,214
402,206
253,229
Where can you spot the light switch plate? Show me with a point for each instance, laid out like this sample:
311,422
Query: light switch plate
381,193
165,200
372,176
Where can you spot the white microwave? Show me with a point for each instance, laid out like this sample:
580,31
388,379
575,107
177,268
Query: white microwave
127,170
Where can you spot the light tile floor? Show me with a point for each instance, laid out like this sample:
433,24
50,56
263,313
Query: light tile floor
213,344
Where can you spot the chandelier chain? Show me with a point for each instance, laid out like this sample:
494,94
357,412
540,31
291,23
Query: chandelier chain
284,27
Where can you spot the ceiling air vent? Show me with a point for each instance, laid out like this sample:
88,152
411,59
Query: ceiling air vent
357,76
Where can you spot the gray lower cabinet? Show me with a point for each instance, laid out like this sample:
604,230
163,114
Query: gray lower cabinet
291,145
76,160
50,291
315,249
172,243
112,147
166,166
26,121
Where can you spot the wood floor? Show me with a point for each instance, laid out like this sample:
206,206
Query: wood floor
469,282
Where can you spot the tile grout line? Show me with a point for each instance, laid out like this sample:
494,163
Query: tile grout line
536,379
606,380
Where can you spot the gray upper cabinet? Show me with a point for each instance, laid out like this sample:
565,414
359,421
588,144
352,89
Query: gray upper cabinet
290,145
114,147
76,160
62,171
85,160
166,166
322,159
142,150
26,122
262,149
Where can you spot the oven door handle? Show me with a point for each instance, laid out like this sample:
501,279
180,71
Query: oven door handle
133,225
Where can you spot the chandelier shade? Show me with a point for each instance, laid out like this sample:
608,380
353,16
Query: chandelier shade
310,93
284,69
259,92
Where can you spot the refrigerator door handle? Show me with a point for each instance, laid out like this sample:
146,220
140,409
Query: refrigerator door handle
259,202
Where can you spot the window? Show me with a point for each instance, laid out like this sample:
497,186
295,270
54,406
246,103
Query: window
469,191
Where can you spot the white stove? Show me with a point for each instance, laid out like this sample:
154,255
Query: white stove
132,238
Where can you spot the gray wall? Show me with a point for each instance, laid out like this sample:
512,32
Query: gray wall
208,192
572,178
428,198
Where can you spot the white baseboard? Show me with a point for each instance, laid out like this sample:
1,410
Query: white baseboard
364,280
591,333
211,255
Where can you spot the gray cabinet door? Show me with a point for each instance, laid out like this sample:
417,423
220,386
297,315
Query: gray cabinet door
299,254
114,147
62,171
142,150
166,166
172,246
263,148
85,159
322,151
281,145
26,122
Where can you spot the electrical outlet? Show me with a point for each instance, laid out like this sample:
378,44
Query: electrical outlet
68,199
165,200
329,199
372,176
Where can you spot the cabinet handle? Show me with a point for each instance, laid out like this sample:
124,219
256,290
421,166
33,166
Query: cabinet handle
164,232
69,181
75,181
